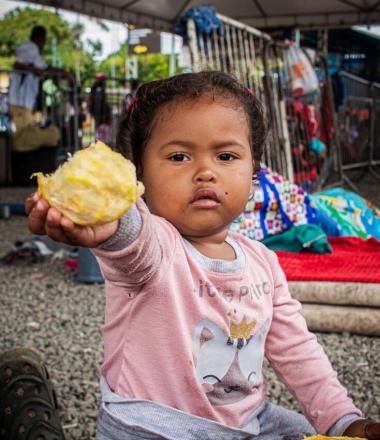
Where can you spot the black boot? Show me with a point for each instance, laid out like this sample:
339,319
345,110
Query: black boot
28,404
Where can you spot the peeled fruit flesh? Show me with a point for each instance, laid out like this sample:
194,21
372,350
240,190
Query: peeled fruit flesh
324,437
95,186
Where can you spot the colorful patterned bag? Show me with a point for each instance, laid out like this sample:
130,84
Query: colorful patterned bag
276,206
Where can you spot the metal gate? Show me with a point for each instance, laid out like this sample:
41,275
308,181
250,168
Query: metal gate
359,125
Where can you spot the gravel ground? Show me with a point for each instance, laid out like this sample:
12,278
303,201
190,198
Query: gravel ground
45,308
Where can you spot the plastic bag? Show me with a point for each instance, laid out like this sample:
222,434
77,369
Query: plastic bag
303,79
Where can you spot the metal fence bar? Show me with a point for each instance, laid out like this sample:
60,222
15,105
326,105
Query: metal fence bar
355,86
283,124
359,118
242,57
236,55
202,51
192,41
247,59
223,53
218,58
230,57
209,49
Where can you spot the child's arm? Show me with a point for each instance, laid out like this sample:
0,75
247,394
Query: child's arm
129,251
141,246
301,362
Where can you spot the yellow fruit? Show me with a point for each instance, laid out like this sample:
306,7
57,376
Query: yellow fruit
95,186
324,437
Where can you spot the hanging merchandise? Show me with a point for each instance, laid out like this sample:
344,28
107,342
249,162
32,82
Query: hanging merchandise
303,79
327,125
308,114
276,206
304,127
317,146
311,125
314,127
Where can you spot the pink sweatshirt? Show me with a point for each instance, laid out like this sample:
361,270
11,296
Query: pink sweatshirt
181,335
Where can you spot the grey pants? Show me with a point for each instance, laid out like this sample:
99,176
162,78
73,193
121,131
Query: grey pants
276,423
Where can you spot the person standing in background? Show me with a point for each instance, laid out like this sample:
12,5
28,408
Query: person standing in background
25,81
99,108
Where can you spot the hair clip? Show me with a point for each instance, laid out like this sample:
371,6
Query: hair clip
249,90
132,103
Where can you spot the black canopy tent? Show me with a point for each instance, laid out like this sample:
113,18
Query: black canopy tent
161,14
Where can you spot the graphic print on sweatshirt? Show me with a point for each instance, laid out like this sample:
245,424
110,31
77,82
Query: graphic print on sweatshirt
229,366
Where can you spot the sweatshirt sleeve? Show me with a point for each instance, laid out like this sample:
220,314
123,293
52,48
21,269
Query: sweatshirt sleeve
127,232
301,362
135,263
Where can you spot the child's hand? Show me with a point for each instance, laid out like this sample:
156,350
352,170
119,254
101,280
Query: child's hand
42,219
364,428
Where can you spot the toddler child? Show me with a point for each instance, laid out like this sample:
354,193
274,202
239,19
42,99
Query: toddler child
192,309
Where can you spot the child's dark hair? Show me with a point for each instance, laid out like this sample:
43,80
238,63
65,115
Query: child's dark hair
138,123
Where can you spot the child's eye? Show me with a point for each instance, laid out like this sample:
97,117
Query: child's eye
178,157
226,156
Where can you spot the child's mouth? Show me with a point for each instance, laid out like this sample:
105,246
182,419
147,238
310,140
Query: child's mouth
205,198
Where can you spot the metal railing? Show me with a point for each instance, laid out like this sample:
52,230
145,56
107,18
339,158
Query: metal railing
57,108
56,103
359,125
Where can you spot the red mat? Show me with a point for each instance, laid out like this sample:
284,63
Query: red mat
353,259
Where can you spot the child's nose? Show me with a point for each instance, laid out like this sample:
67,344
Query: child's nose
205,174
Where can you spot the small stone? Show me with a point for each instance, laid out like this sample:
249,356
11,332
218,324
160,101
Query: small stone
32,325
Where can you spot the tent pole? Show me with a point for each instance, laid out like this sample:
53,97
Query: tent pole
192,36
172,57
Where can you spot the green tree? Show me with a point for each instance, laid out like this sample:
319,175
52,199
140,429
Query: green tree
95,47
114,64
63,46
151,66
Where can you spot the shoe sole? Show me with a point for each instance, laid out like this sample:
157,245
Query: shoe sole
28,403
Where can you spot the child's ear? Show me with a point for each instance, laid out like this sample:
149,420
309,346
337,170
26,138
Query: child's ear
139,176
253,182
252,189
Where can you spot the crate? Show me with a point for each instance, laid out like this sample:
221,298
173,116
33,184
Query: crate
5,159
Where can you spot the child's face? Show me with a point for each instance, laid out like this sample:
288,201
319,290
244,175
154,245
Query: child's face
197,165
